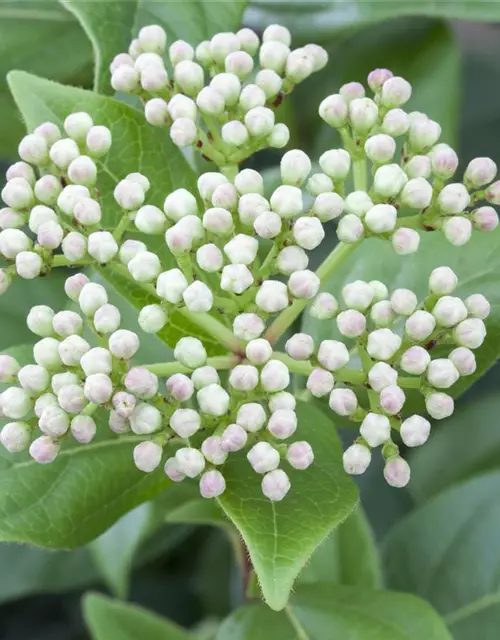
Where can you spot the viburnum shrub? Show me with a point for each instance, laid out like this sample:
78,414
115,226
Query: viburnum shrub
227,265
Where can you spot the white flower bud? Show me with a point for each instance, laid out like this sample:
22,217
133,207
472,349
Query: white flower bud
96,360
47,189
464,361
15,436
44,401
117,423
244,377
249,181
209,258
184,234
34,379
236,278
299,65
145,419
382,375
444,161
375,429
248,326
212,484
442,373
156,112
190,352
308,232
319,56
300,346
66,323
71,398
63,152
383,344
87,211
423,133
356,459
9,367
269,81
234,438
454,198
439,405
333,110
324,307
203,376
304,284
213,399
479,172
102,246
251,417
225,196
417,193
250,206
234,133
183,132
50,235
171,285
333,355
405,241
395,92
180,106
279,137
277,33
478,306
389,180
320,183
49,131
147,456
259,121
228,85
352,90
5,281
191,461
275,485
154,78
286,201
493,193
449,311
152,39
10,219
267,224
198,297
377,77
415,430
249,41
470,333
283,423
258,351
54,421
485,219
180,203
98,141
213,451
60,380
263,457
379,291
351,323
418,167
242,249
149,219
357,295
83,429
420,325
129,194
39,320
320,382
33,149
350,229
44,450
28,265
282,400
74,245
415,360
380,148
457,230
272,296
336,163
107,319
185,422
180,387
275,376
77,125
442,281
358,203
392,399
173,470
83,171
141,382
290,259
72,348
18,194
123,344
210,102
16,403
189,76
404,302
46,353
273,55
124,404
295,166
300,455
144,267
397,472
363,115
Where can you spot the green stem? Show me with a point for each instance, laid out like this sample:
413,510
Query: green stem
367,364
305,367
122,226
409,383
61,261
164,369
359,174
410,222
216,329
341,252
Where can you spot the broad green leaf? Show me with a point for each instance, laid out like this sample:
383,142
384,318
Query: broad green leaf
108,26
327,611
192,20
448,551
109,619
318,20
477,266
348,556
40,37
136,147
281,536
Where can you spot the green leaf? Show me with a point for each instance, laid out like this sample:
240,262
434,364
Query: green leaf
327,611
109,619
318,20
108,26
40,37
447,552
348,556
281,536
136,147
192,20
476,265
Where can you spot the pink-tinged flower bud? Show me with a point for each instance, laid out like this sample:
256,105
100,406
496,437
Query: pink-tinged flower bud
336,163
54,421
156,112
415,360
212,450
185,422
350,229
74,246
295,166
129,194
50,235
49,131
333,110
485,219
405,241
479,172
388,181
248,326
282,423
107,319
449,311
47,189
83,171
71,350
444,161
180,387
442,373
15,436
381,375
375,429
442,281
392,399
333,355
141,382
154,78
420,325
117,423
418,167
209,258
287,202
63,152
357,295
290,259
28,265
44,450
320,382
457,230
351,323
213,400
60,380
46,353
282,400
363,115
272,296
173,471
397,472
98,141
124,404
478,306
203,376
300,455
263,457
275,376
423,133
77,125
98,388
123,344
415,430
395,123
259,121
439,405
470,333
356,459
327,206
275,485
191,461
147,456
13,242
377,77
242,249
225,196
395,92
87,212
417,193
308,232
304,284
66,323
251,416
18,194
493,193
9,368
33,149
190,352
102,246
269,82
250,206
383,344
267,224
236,278
404,302
15,403
74,285
244,377
351,91
273,55
234,438
44,401
324,307
454,198
380,148
171,285
10,219
145,419
212,484
184,235
464,361
92,296
184,132
300,346
72,399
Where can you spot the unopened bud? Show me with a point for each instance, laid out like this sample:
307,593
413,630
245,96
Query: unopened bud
263,457
304,284
383,344
449,311
333,110
251,416
415,360
405,241
442,281
107,319
15,436
395,123
233,438
420,325
380,148
350,229
470,333
333,355
275,485
357,295
464,361
300,346
336,163
290,259
457,230
478,306
44,450
191,461
171,285
454,198
392,399
213,400
439,405
98,141
395,92
248,326
419,167
123,344
404,302
485,219
444,161
173,470
237,278
320,382
180,387
272,296
308,232
356,459
244,377
375,429
185,422
479,172
381,375
54,421
258,351
145,419
74,246
351,323
389,180
242,249
324,307
397,472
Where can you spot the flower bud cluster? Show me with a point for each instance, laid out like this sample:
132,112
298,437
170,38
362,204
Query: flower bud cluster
219,97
